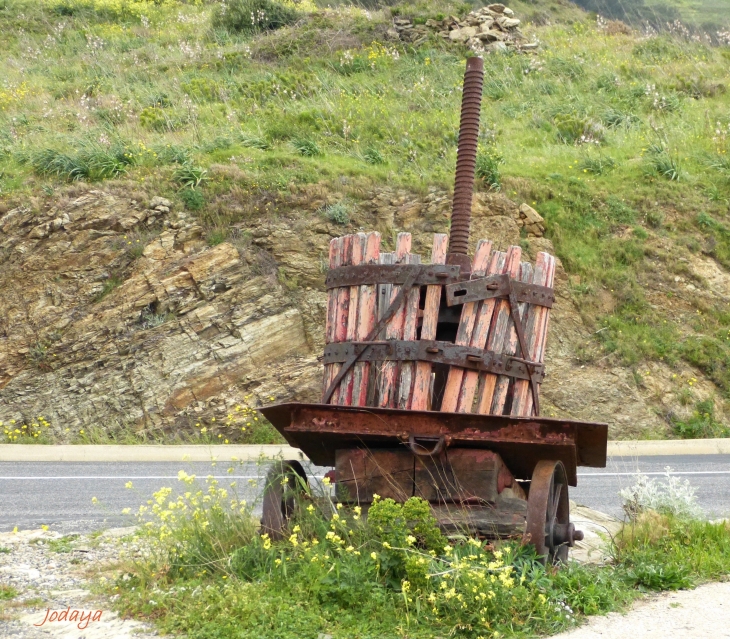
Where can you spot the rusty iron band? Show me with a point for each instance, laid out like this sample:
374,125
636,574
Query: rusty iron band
373,274
436,353
504,286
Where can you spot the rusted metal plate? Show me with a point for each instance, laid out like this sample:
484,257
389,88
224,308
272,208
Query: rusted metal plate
319,430
361,473
372,274
437,352
484,288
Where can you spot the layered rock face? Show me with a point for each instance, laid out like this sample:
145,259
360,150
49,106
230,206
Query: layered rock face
118,313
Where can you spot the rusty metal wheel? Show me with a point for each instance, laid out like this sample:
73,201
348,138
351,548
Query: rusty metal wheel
548,513
286,484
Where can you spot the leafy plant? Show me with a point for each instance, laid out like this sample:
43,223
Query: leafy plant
190,176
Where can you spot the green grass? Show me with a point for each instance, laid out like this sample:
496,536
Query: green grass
243,425
210,574
7,592
620,142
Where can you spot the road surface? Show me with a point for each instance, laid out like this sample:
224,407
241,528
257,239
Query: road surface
59,494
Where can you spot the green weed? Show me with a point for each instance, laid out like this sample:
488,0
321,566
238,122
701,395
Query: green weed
7,592
487,168
109,285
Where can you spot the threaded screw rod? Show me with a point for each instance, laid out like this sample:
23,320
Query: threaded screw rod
466,158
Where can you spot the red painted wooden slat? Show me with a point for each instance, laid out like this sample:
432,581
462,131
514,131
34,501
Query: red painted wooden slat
358,250
452,390
479,337
511,347
421,395
367,303
498,332
387,385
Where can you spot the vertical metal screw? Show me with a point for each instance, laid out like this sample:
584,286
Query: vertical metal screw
466,158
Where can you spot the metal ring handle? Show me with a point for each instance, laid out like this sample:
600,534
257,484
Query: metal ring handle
414,445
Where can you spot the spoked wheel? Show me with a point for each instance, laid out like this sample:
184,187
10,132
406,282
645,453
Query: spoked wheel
286,482
548,513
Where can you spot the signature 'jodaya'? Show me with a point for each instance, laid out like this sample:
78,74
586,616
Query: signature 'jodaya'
82,617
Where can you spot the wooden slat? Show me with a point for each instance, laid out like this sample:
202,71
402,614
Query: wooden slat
511,347
367,303
384,290
358,250
479,337
536,334
465,329
335,260
410,326
498,332
342,310
421,395
387,382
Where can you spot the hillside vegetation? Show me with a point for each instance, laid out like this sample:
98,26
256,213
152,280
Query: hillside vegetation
618,139
704,17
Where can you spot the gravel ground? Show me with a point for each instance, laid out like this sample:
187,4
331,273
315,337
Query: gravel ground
703,613
48,579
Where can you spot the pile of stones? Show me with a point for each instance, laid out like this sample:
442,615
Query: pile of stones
489,29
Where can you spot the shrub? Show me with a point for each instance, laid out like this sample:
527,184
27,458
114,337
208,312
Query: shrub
372,156
192,199
673,497
251,16
702,424
487,168
337,213
156,119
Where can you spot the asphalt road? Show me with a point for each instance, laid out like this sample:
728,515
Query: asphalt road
59,494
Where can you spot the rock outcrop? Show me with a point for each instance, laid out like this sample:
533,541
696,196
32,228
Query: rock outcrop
493,28
118,312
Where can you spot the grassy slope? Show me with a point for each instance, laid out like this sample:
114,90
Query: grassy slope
105,86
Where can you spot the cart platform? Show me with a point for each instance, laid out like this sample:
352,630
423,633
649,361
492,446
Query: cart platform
319,430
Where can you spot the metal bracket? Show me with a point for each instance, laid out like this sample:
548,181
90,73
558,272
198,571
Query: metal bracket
372,274
446,353
485,288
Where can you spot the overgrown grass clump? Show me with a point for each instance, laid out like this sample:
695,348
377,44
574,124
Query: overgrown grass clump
386,573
